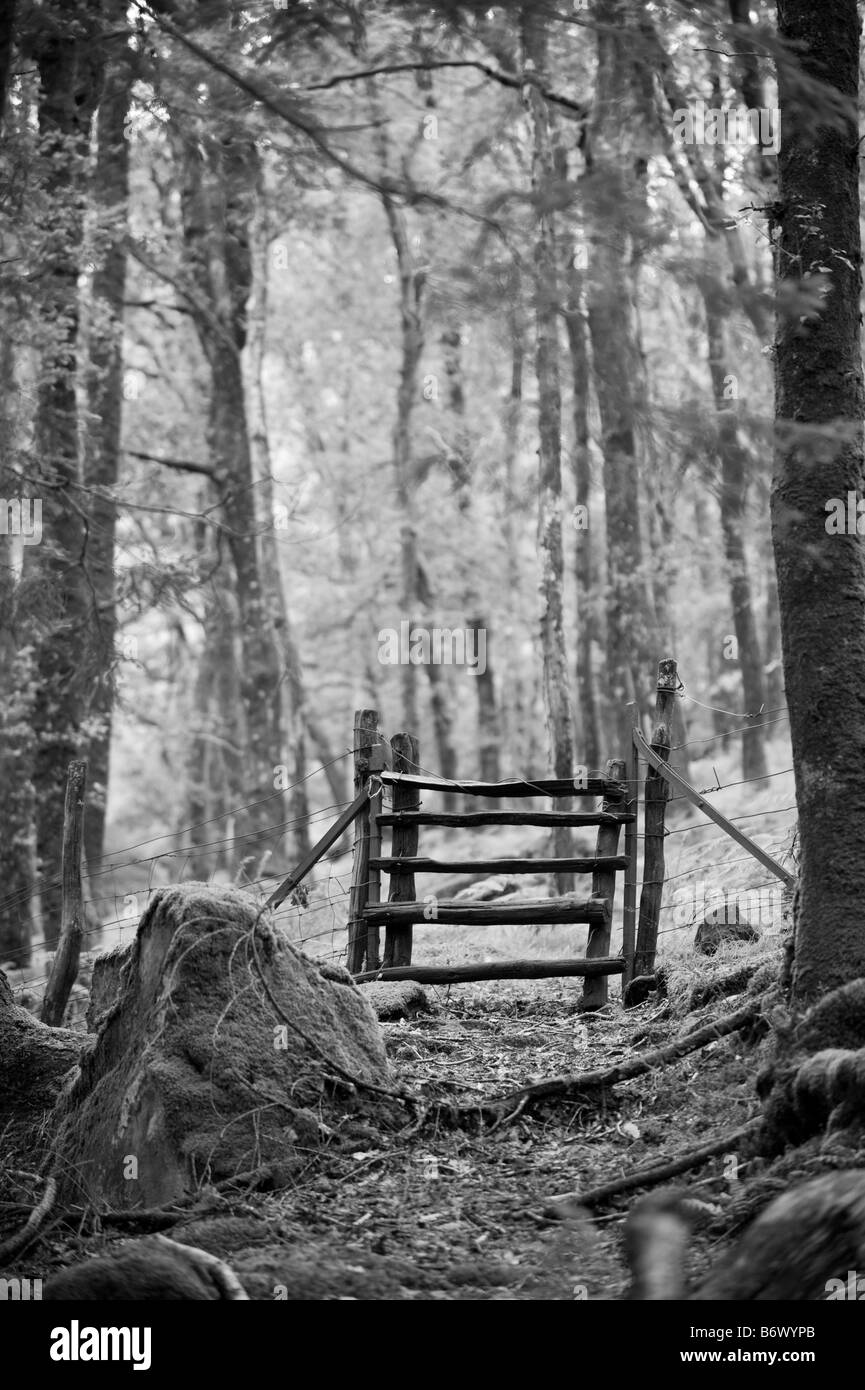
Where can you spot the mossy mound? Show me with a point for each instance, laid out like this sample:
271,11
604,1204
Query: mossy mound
224,1049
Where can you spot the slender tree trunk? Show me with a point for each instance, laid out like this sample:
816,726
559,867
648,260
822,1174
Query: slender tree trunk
608,188
460,463
489,724
335,768
514,715
17,684
218,195
733,499
294,712
556,685
215,772
411,290
821,576
459,456
68,59
441,708
703,523
102,457
587,704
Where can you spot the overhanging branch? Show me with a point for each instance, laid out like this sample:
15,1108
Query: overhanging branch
505,78
186,465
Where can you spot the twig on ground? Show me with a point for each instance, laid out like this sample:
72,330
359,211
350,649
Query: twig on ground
652,1174
15,1244
571,1086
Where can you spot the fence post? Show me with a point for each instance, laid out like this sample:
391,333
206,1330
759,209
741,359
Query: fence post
603,886
398,939
629,905
373,880
656,795
365,739
66,957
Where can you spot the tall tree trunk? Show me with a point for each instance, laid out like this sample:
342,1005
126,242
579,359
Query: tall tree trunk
17,684
441,709
460,464
411,290
215,771
489,725
294,712
459,454
556,685
103,433
514,716
733,500
68,56
703,523
218,196
587,704
608,188
821,576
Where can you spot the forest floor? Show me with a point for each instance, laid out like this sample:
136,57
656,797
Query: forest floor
448,1213
469,1212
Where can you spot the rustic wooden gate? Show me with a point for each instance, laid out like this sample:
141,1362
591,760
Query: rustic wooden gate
377,767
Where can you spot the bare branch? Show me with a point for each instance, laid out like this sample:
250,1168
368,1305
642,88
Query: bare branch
187,465
289,112
505,78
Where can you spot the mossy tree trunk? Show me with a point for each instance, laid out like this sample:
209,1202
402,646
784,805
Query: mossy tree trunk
819,456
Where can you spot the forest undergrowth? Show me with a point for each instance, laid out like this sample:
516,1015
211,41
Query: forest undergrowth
437,1211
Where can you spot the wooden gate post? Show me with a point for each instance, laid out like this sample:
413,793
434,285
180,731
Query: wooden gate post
373,852
65,968
656,795
398,938
366,737
603,886
629,905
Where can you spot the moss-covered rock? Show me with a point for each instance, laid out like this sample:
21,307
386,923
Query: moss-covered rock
223,1049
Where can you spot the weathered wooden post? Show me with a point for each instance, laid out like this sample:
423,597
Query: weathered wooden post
398,937
629,905
373,882
366,737
65,968
603,886
656,796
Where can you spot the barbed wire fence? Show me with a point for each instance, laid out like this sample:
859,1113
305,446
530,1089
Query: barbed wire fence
119,886
315,917
772,898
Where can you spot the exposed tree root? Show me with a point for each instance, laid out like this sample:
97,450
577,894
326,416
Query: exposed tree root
152,1219
507,1107
15,1244
652,1174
